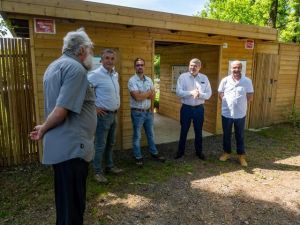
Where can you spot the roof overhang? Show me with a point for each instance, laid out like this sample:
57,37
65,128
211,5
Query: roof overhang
99,12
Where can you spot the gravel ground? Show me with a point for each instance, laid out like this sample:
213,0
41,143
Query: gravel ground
179,192
212,192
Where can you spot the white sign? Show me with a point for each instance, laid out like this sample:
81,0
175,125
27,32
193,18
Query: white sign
176,71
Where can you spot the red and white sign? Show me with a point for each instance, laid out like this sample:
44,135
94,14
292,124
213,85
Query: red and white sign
45,26
249,44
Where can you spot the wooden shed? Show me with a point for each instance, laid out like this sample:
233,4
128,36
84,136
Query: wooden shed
273,66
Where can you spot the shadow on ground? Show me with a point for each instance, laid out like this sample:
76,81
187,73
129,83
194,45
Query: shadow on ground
179,192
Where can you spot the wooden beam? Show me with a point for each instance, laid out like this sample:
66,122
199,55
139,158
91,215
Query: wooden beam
99,12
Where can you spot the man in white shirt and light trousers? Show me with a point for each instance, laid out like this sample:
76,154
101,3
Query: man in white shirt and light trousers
235,91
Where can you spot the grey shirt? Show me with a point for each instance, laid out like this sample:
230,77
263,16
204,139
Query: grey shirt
66,85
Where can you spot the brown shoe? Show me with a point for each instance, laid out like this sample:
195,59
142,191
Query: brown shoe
224,157
242,160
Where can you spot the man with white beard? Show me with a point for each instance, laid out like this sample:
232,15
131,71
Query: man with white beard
68,131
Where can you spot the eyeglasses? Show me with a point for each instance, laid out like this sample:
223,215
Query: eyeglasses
138,65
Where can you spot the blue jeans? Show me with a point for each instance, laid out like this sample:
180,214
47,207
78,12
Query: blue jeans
239,125
187,115
140,119
105,139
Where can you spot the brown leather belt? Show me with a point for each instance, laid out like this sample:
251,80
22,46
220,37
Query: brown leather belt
108,111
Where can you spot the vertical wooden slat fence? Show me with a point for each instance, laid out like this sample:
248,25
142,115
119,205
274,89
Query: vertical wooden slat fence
17,110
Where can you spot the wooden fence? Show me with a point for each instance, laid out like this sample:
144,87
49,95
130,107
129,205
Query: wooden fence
17,110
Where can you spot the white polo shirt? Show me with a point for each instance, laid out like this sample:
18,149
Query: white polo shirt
234,101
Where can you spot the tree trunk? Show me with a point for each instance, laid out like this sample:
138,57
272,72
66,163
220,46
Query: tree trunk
273,13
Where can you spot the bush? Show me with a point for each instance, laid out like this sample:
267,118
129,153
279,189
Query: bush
156,103
293,116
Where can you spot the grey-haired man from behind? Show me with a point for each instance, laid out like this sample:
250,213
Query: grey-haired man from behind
68,131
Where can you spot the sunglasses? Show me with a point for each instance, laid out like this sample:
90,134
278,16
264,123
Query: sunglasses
138,65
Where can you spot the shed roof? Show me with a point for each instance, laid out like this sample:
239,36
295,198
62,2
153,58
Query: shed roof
99,12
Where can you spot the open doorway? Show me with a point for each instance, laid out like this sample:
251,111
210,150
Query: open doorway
172,59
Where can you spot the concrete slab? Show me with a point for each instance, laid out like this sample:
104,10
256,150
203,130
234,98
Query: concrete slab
168,130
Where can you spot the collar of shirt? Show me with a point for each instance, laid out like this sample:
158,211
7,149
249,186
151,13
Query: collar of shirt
68,53
236,82
138,77
191,75
105,71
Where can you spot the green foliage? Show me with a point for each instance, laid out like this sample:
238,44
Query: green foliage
4,26
157,66
258,13
156,103
293,116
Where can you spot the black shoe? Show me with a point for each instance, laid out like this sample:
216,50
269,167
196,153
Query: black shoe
139,162
201,156
178,156
158,158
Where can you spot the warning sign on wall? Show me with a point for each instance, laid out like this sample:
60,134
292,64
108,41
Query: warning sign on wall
46,26
249,44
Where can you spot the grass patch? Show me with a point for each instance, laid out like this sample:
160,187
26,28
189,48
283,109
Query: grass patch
275,132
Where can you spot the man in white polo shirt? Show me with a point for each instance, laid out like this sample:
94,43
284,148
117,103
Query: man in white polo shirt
235,91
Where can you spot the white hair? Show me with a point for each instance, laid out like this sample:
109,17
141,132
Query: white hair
236,62
196,61
74,40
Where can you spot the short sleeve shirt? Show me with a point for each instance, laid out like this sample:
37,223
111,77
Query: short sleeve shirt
142,85
234,101
66,86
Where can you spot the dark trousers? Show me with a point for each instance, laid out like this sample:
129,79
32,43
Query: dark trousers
239,125
187,115
70,191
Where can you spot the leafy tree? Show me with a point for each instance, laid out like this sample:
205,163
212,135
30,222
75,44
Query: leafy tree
281,14
4,26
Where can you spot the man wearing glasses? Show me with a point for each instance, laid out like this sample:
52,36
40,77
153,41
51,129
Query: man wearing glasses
141,94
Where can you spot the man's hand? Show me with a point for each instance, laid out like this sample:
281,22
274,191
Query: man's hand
100,112
195,93
151,94
37,133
